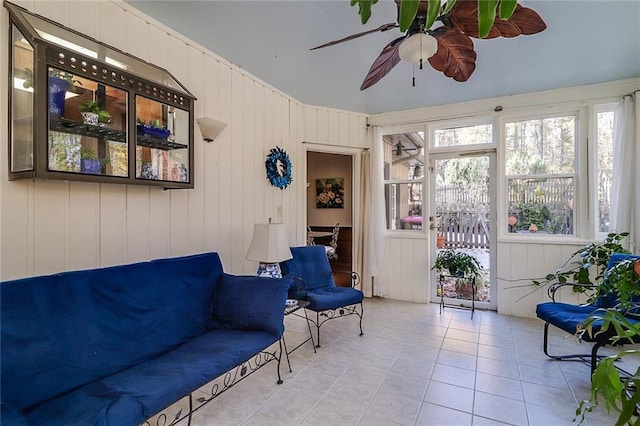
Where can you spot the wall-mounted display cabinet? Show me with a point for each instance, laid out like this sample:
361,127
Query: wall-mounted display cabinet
81,110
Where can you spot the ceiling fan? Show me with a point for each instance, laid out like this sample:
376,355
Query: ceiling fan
448,47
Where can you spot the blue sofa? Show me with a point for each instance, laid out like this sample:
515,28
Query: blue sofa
116,345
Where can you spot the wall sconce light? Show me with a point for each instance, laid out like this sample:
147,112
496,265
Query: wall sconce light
210,128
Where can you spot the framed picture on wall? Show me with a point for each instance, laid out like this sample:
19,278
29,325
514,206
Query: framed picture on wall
330,193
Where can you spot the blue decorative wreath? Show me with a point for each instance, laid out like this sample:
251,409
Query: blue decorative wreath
278,168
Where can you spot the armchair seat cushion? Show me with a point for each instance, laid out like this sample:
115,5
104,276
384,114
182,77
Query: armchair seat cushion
564,315
333,297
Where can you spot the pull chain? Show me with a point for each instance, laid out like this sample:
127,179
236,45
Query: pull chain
413,79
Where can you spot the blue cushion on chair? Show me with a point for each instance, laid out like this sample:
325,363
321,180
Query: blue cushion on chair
333,297
311,264
564,315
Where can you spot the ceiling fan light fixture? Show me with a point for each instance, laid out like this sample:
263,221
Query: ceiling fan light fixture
418,48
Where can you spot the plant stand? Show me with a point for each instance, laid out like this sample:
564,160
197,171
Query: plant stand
459,282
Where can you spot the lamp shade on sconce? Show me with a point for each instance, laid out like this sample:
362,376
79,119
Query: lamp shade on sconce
418,48
210,128
269,246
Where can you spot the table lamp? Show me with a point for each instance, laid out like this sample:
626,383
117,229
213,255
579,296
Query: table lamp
269,246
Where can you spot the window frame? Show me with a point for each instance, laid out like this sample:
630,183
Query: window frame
582,209
394,130
593,165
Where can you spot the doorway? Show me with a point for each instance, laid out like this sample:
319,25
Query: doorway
330,203
463,206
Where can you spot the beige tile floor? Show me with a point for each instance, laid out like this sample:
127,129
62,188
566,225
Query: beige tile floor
414,366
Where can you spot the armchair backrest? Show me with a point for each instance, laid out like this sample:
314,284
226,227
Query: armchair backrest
311,264
609,300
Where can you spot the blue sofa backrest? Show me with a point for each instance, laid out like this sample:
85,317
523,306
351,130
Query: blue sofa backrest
75,327
312,265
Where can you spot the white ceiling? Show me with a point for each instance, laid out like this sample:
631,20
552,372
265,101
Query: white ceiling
586,41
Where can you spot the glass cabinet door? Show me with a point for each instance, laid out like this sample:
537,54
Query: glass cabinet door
21,103
162,141
87,126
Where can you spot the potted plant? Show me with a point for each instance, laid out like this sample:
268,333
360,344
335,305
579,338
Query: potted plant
154,129
93,114
89,162
59,83
585,267
618,390
457,264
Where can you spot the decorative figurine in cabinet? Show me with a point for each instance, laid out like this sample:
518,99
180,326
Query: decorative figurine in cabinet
81,111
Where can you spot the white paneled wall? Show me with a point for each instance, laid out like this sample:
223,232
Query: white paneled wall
518,263
51,226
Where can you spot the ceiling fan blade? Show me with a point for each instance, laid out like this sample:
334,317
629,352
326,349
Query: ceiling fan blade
455,56
381,28
387,59
524,21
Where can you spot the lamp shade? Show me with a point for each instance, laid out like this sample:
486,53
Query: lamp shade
269,244
418,47
210,128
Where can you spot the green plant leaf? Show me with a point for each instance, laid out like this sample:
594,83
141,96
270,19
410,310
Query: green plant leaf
364,8
448,6
507,7
408,11
433,8
486,16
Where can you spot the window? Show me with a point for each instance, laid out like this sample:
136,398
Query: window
604,164
540,175
468,135
403,175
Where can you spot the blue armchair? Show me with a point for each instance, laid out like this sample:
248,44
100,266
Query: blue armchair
568,317
311,269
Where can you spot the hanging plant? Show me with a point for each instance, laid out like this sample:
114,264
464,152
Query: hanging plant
279,168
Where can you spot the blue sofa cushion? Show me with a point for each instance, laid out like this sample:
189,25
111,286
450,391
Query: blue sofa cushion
311,264
10,416
250,303
76,327
133,395
333,297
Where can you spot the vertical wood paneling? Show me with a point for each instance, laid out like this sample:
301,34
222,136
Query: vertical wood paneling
113,225
137,36
49,226
234,176
311,124
323,126
84,214
196,195
343,129
249,152
223,178
137,223
110,32
84,18
57,11
211,155
16,259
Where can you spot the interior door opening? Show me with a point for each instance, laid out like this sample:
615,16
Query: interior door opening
330,204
